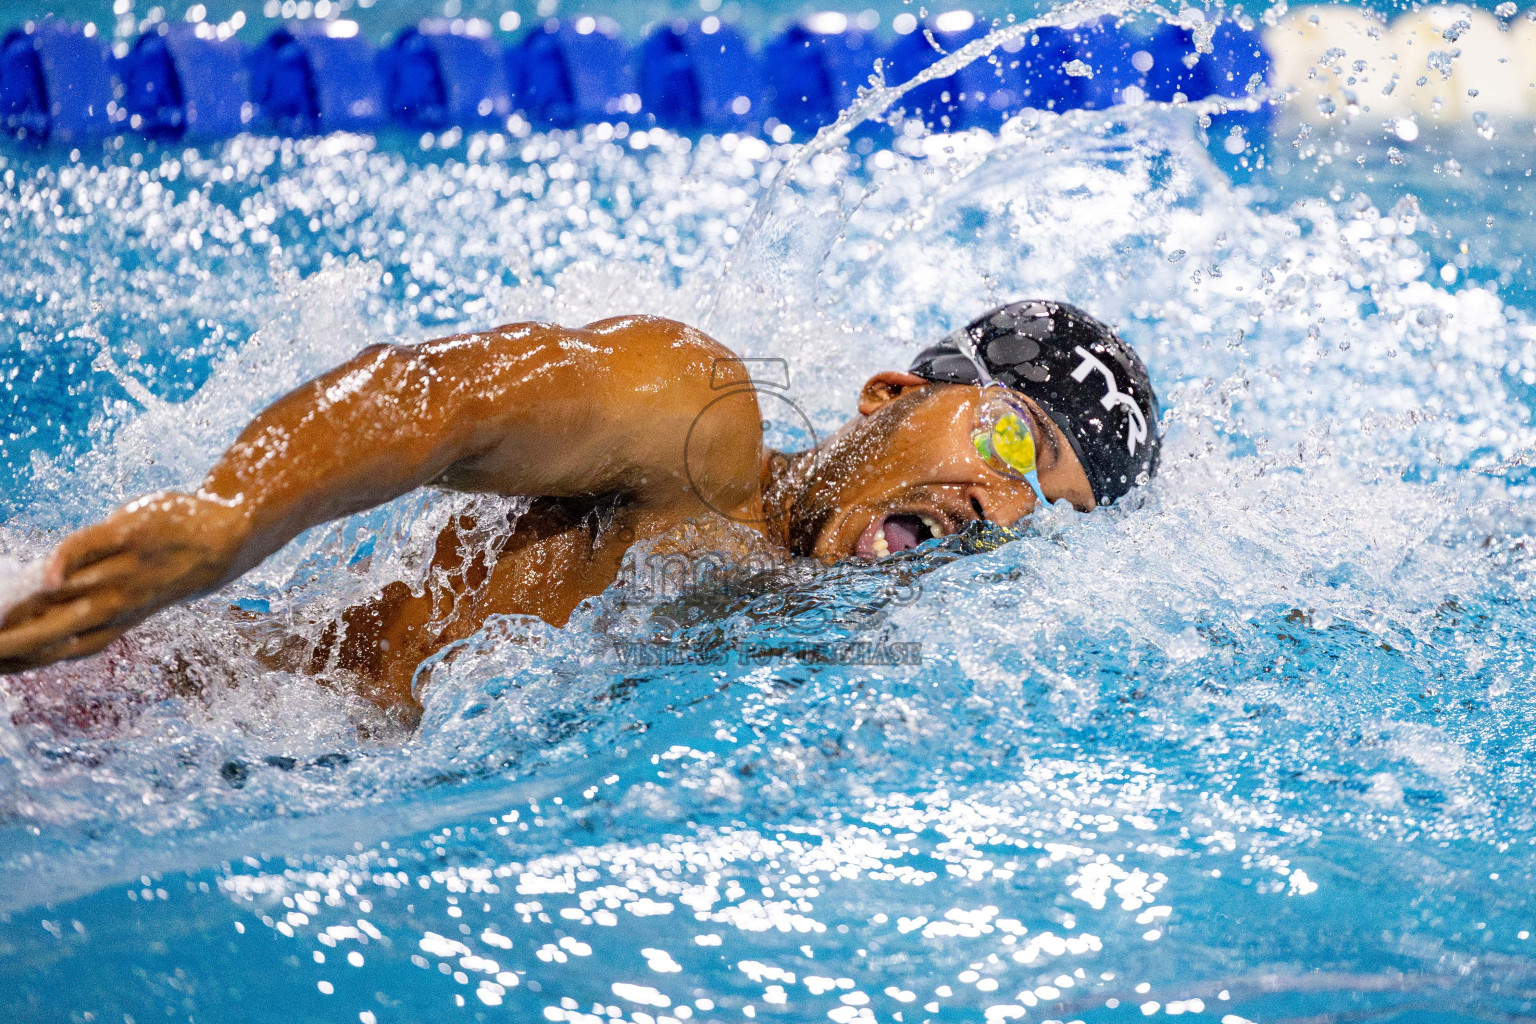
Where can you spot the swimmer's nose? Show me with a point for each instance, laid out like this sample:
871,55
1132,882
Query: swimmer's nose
1004,510
977,505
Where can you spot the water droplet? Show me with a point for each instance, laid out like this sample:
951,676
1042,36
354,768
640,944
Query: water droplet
1176,255
1440,60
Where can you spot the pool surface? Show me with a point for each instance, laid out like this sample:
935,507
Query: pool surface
1257,745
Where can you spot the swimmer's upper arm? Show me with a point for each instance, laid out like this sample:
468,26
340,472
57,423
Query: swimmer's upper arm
616,407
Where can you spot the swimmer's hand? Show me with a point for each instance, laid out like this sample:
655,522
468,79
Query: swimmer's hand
105,579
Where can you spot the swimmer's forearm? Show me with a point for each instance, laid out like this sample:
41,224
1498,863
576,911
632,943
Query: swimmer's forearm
388,421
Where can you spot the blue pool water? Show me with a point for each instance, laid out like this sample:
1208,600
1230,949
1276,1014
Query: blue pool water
1258,745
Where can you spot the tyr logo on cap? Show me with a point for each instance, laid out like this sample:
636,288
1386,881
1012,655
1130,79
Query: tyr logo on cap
1113,397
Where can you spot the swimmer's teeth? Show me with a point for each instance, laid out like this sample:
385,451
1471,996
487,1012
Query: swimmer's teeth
934,526
881,546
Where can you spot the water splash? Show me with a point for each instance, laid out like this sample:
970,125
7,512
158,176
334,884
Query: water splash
1276,683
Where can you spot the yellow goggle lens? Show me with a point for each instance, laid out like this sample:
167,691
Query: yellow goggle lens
1002,436
1014,443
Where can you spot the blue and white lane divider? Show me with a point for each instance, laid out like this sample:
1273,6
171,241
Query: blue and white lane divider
312,78
59,82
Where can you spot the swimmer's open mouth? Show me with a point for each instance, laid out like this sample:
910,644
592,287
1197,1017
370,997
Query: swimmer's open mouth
899,531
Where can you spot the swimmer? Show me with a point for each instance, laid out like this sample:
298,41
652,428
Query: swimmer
620,431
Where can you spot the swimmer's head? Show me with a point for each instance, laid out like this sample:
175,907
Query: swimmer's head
907,468
1078,371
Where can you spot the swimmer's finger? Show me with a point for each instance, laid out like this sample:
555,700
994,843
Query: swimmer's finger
81,646
57,625
75,647
123,567
84,547
46,627
28,608
120,569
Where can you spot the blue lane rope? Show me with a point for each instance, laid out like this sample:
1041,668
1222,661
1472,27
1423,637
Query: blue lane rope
60,84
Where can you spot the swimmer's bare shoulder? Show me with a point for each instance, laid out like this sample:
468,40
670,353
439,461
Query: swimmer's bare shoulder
602,412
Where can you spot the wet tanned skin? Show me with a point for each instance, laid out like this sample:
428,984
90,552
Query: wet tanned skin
592,421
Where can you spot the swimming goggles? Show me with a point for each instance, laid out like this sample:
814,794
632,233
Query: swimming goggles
1004,437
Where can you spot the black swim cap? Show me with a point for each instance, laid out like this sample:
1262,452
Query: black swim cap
1075,368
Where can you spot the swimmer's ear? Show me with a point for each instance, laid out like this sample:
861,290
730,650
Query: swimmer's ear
885,387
